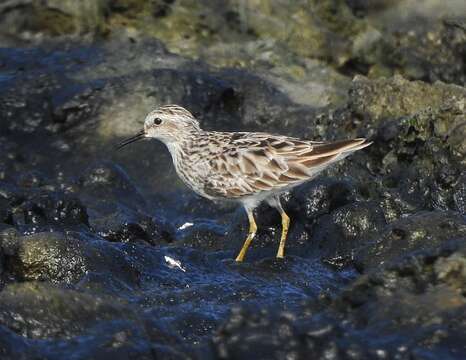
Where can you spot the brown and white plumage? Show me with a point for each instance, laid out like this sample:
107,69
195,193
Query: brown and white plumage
241,166
252,164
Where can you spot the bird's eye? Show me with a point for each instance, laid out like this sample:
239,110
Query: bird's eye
157,121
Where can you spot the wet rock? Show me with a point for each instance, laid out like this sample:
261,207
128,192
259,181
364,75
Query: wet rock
117,339
235,227
258,103
32,202
319,197
329,218
66,258
66,313
265,243
203,234
50,103
111,180
459,196
259,35
418,149
49,208
8,239
421,295
118,211
31,179
425,159
264,335
5,210
51,257
414,233
347,228
247,334
410,294
107,175
124,225
13,346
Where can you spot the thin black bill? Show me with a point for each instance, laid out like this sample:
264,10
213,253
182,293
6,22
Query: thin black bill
139,136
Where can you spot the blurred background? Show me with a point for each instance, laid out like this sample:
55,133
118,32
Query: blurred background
90,236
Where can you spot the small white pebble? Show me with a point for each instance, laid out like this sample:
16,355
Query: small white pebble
172,263
185,226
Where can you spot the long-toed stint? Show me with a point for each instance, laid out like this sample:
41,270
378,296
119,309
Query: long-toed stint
244,167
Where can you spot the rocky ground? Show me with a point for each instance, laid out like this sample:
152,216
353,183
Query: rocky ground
105,254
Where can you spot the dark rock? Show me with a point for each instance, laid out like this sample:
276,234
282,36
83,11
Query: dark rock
51,103
410,294
50,257
459,196
13,346
66,312
319,197
414,233
64,258
118,211
118,339
31,179
8,239
419,159
107,175
103,181
124,225
249,334
206,235
5,210
347,228
49,208
412,303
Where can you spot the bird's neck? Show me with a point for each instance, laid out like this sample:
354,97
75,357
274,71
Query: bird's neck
187,160
183,145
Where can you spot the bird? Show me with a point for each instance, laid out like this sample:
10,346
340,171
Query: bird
242,167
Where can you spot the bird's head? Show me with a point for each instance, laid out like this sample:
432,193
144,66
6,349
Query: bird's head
169,123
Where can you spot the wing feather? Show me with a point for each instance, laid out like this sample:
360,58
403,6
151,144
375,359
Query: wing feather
255,162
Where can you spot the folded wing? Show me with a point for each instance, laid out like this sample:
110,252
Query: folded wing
253,163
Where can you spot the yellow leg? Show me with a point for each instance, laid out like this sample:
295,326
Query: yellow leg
251,234
285,227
